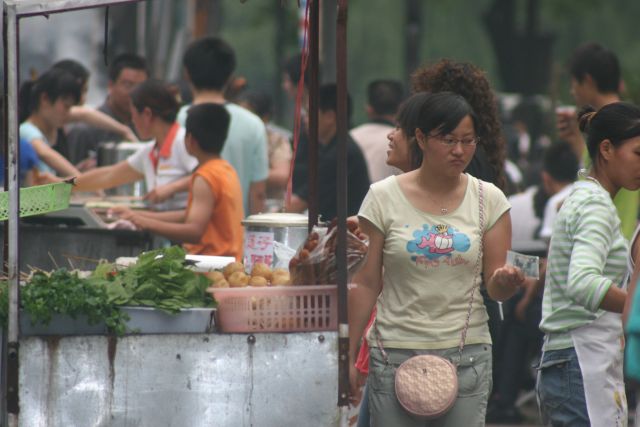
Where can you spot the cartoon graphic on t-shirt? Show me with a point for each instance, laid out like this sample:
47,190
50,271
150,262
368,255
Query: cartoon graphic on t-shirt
437,241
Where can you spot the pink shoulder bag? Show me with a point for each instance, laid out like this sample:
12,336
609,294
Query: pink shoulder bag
427,385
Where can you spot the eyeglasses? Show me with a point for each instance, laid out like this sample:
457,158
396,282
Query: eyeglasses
450,141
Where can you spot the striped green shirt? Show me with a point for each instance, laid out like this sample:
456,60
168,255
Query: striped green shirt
587,255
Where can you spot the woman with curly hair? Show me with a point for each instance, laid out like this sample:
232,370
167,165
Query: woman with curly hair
471,83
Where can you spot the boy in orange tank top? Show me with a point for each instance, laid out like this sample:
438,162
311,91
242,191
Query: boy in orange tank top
211,224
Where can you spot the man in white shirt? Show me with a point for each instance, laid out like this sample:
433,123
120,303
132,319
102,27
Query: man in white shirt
383,99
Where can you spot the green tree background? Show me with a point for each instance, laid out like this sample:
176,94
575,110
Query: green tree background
450,28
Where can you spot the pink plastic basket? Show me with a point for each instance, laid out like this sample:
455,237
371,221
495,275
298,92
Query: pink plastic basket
277,308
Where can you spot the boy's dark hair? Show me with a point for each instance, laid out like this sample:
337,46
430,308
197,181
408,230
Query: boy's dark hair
560,162
385,96
209,61
55,83
79,71
328,99
126,60
208,124
158,97
598,62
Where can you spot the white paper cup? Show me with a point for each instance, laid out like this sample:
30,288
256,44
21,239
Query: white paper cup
566,110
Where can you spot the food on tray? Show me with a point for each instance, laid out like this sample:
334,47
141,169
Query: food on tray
261,269
232,268
238,279
258,281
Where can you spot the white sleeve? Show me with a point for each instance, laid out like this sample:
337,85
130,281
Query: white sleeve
187,161
137,160
550,212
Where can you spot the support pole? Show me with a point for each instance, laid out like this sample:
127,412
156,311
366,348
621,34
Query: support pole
314,82
341,249
10,39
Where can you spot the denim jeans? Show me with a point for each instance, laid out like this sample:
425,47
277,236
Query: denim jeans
560,389
363,416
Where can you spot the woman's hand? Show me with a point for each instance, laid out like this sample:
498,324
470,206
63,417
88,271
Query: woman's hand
507,279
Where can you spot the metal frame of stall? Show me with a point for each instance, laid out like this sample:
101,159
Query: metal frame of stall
11,11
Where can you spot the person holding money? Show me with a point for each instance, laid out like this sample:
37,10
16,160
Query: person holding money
425,237
580,380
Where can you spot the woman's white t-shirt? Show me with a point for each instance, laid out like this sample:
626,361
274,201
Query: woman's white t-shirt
429,263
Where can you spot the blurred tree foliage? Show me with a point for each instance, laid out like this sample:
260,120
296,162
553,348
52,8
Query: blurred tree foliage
450,28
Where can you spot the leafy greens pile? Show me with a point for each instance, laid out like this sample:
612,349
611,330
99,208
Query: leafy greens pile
64,292
160,279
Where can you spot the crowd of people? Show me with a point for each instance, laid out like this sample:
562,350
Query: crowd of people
560,336
443,182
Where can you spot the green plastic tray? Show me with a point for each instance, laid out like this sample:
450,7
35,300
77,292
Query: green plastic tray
38,200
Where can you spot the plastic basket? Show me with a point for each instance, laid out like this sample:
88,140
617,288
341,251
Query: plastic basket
38,200
277,308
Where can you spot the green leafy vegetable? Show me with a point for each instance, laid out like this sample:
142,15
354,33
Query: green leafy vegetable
159,279
63,292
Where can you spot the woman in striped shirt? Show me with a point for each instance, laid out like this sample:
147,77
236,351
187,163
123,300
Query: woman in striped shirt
580,378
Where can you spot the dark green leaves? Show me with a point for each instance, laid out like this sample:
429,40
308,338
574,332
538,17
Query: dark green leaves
159,279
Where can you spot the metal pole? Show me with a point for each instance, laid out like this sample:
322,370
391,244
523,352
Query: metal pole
11,72
341,249
314,54
328,41
141,37
280,40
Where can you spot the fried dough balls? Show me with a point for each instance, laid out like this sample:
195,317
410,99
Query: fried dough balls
238,279
232,268
222,283
280,277
215,276
261,269
258,281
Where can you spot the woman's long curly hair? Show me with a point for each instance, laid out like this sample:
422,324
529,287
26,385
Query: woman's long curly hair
470,82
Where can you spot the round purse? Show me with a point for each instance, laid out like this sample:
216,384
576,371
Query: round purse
426,386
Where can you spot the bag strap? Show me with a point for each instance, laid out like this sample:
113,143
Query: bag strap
478,269
476,284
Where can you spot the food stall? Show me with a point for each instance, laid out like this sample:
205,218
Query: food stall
274,373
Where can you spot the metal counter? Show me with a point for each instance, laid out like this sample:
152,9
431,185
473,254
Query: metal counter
193,380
